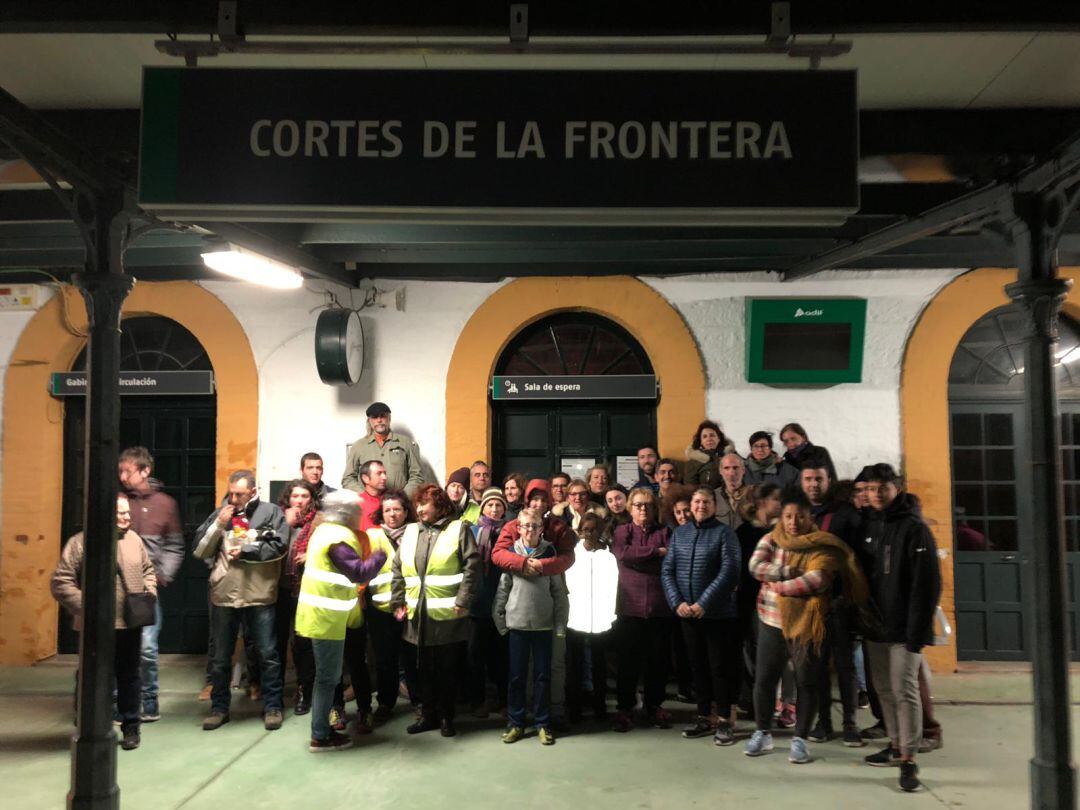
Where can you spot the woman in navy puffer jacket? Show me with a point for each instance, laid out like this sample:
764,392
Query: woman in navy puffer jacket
700,573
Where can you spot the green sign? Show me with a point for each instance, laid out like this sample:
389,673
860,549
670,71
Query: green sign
807,341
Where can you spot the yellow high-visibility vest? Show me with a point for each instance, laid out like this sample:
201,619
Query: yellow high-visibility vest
379,587
442,579
328,602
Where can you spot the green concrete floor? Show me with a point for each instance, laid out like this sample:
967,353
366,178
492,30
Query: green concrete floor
984,763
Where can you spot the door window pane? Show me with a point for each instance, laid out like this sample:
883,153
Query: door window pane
999,465
580,430
970,497
967,465
999,429
200,433
167,469
168,433
966,430
1003,535
1001,500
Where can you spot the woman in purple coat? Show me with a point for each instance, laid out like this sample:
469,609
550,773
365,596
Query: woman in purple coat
645,622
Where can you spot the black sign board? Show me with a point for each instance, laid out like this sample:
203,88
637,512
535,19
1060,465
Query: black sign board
585,145
144,383
585,386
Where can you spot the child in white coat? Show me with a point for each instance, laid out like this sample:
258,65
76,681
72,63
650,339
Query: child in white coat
593,581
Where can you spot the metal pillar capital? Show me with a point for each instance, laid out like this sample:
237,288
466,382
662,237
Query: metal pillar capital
1041,300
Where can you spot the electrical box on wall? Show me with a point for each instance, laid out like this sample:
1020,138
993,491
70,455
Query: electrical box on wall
808,341
18,297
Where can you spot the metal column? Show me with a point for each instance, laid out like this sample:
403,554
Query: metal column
1039,294
104,288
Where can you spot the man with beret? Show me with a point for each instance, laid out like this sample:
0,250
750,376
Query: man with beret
399,455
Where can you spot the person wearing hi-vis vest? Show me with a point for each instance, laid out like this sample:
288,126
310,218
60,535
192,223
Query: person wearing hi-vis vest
329,603
395,515
434,581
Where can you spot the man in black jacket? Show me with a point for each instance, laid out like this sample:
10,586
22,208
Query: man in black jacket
841,519
905,584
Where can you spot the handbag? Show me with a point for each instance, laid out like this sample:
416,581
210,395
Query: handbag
139,608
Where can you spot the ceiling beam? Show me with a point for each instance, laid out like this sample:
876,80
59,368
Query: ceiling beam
549,18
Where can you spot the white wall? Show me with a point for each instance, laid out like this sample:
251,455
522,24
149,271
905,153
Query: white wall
406,358
408,353
859,423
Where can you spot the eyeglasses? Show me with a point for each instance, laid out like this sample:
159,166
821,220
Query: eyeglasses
577,494
529,526
639,505
761,446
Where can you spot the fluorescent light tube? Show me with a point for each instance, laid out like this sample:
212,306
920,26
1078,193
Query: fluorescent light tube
247,265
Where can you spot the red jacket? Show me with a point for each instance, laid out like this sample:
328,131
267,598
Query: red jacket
556,532
641,594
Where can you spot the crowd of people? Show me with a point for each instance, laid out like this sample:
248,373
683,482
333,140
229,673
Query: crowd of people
753,580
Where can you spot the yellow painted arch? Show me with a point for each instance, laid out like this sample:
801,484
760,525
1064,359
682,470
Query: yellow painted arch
924,406
33,441
632,304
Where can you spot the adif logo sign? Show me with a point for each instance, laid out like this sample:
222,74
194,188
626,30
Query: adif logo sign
808,313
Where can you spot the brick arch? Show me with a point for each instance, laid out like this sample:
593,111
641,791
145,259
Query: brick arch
924,406
632,304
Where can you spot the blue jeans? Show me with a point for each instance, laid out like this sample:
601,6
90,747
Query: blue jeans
149,664
539,643
328,658
226,624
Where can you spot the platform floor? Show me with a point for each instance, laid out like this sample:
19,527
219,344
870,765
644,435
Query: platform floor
986,716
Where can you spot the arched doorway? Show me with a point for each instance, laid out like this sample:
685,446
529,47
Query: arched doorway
180,433
539,438
991,481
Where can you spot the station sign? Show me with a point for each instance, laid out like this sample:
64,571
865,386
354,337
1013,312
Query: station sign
142,383
524,145
584,386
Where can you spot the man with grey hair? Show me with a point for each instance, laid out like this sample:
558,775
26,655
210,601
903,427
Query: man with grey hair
398,454
731,495
245,540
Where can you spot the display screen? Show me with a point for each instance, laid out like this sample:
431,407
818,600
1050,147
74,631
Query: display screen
807,347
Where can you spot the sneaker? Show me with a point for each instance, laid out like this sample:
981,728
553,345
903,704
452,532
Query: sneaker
799,755
383,713
786,718
820,734
660,719
864,699
338,719
365,723
150,712
909,777
622,723
206,692
215,720
875,732
547,737
760,742
724,735
852,737
928,744
272,719
885,758
513,734
701,727
336,742
130,740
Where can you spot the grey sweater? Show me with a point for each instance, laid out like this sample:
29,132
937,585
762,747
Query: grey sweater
532,603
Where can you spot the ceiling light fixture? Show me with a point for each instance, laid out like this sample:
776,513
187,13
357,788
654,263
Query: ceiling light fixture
248,265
